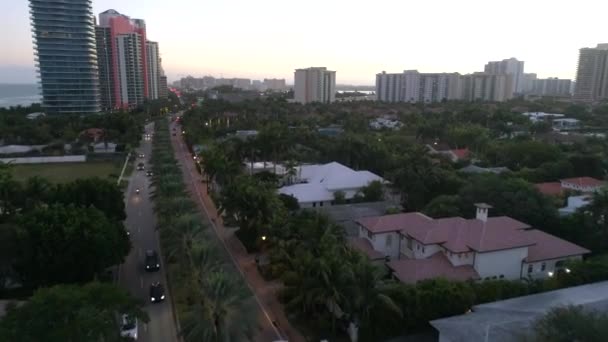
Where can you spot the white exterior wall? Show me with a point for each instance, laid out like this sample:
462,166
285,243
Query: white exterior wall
379,242
419,250
537,267
459,259
507,262
580,188
45,160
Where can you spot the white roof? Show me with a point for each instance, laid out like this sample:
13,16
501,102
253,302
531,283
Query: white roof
323,180
20,148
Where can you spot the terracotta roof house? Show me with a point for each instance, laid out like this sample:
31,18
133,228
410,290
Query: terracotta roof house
453,155
94,134
550,188
456,248
582,184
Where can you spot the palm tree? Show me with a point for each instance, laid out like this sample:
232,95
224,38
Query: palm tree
223,312
180,236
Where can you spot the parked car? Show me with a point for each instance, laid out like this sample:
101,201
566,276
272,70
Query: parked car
128,327
152,261
157,292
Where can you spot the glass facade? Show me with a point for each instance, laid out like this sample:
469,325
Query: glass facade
66,56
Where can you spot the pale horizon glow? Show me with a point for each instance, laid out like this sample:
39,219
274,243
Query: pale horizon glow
357,39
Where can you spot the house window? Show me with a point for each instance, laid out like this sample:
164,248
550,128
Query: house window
320,204
409,243
530,268
422,250
417,246
389,240
369,234
314,204
543,266
459,255
501,276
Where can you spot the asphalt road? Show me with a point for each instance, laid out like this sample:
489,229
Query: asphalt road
141,224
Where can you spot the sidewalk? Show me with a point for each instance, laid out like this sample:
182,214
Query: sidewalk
266,292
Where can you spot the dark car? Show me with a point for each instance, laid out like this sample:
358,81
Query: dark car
152,261
157,292
148,173
140,166
141,155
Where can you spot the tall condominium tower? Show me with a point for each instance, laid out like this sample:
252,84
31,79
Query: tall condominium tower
511,67
64,35
121,43
592,74
314,85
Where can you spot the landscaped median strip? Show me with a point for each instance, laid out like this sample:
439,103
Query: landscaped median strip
198,273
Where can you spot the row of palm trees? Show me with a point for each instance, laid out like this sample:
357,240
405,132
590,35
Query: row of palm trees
211,300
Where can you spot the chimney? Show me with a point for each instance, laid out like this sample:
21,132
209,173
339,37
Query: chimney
482,211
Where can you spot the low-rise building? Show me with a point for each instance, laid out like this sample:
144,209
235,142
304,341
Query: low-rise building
453,155
512,320
574,203
316,184
478,169
566,124
462,249
384,123
580,184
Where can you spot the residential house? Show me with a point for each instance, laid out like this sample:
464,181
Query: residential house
93,134
542,116
478,169
385,123
565,124
453,155
574,204
316,184
580,184
104,147
461,249
512,320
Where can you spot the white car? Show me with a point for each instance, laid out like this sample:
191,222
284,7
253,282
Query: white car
128,327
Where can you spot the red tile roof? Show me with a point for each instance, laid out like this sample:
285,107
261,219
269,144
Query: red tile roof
364,246
461,153
393,223
414,270
550,247
461,235
586,182
550,188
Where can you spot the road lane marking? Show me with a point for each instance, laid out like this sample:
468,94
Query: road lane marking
141,282
138,229
145,327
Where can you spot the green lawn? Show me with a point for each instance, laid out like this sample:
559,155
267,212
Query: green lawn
66,172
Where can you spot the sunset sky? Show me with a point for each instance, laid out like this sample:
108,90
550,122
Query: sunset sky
270,38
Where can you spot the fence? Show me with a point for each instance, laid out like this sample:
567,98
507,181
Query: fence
45,160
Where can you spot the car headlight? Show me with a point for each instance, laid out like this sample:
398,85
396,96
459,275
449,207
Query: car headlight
162,297
152,298
157,265
147,266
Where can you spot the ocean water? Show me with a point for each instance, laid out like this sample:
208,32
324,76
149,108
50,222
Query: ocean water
19,94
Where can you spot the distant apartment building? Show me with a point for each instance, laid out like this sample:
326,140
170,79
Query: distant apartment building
153,70
315,84
413,86
592,74
129,64
275,84
528,83
123,41
511,67
66,59
481,86
552,87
